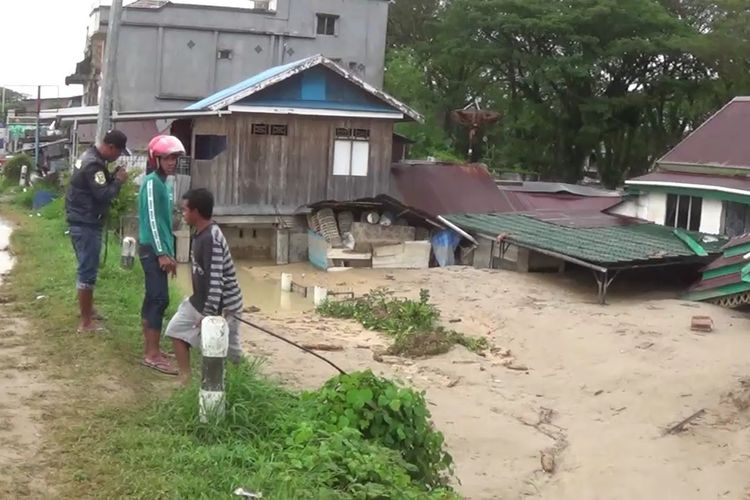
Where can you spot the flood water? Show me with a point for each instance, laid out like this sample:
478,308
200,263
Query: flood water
6,260
263,293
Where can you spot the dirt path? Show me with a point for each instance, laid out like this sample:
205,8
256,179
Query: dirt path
589,391
25,396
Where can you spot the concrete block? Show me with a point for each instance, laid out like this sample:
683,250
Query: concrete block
406,255
281,246
298,246
368,235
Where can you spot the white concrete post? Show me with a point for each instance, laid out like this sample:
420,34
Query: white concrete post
127,257
214,347
320,295
23,180
286,282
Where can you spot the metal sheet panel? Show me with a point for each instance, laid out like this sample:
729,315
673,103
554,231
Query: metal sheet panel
443,189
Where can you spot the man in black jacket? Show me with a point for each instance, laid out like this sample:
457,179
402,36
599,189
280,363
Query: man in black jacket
90,193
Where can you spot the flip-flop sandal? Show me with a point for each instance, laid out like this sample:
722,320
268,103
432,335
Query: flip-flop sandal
95,329
161,366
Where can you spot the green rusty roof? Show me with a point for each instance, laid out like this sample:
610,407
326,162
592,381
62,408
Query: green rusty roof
610,246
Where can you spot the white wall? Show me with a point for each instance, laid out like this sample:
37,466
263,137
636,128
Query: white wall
648,206
656,209
711,214
653,208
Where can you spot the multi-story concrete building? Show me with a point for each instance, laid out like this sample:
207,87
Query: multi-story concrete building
175,52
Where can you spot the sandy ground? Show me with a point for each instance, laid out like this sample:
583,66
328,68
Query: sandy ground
587,389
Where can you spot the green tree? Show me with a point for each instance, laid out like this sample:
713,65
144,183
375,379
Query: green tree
410,22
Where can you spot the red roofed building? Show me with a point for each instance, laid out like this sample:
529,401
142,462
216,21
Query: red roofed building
703,183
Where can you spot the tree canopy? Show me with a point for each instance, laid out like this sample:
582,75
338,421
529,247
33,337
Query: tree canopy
622,80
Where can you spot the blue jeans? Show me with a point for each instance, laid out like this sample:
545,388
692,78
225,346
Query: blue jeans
87,244
156,300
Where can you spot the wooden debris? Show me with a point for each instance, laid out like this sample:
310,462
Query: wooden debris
680,426
499,351
645,345
454,382
548,462
391,360
323,347
251,310
510,364
702,324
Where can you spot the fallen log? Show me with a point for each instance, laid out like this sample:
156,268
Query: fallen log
680,426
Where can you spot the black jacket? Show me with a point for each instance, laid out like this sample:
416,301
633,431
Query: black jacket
91,191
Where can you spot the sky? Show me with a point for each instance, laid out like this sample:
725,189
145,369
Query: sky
48,40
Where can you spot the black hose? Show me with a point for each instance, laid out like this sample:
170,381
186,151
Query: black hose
277,336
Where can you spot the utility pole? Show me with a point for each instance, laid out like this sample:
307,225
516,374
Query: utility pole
110,69
38,114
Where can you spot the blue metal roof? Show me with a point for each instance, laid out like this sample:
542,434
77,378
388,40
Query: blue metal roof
253,81
270,77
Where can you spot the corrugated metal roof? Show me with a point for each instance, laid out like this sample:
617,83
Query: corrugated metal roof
725,262
272,76
563,202
585,218
441,189
557,187
721,141
716,283
608,246
737,184
723,276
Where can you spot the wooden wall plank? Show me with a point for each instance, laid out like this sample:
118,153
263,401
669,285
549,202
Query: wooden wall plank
283,172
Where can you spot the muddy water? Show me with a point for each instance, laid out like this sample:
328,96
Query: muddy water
6,260
263,293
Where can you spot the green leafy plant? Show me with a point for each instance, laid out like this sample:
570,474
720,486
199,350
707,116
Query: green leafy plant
393,416
414,324
125,202
12,168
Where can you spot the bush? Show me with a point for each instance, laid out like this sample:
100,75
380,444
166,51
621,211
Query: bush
413,324
393,416
12,168
287,445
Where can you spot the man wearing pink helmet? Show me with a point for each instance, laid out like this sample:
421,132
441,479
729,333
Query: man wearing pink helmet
156,245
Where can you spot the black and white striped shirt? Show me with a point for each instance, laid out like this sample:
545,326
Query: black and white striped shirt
215,287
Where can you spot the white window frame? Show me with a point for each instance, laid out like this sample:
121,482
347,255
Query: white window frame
351,158
689,214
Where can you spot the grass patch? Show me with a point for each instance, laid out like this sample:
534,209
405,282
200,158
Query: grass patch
122,432
413,324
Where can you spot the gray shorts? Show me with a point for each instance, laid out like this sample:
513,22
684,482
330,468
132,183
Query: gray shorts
185,326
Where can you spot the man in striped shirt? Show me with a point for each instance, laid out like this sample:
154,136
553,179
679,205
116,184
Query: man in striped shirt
215,288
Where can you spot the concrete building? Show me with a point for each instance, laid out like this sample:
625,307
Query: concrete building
175,52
